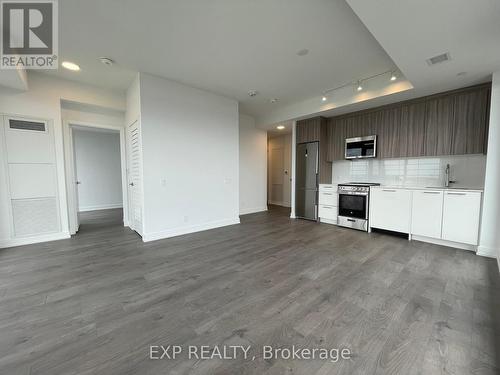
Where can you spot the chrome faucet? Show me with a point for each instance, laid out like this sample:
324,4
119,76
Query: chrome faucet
447,180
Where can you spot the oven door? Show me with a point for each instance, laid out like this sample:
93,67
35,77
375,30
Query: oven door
353,205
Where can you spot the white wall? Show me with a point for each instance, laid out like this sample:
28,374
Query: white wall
279,184
190,158
467,170
43,100
253,166
489,244
98,169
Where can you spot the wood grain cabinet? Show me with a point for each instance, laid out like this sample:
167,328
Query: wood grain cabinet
453,123
308,130
470,122
413,121
439,125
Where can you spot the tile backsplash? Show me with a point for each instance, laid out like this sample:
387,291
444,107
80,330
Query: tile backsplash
466,170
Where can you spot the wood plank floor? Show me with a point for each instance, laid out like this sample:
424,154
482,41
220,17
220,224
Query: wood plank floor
93,304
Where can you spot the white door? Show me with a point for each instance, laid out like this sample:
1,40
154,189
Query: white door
461,213
276,176
134,178
427,213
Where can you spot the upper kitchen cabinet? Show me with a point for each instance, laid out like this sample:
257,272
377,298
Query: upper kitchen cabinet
391,134
439,125
413,121
470,121
308,130
451,123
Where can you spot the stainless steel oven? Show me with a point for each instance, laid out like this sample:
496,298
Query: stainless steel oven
353,205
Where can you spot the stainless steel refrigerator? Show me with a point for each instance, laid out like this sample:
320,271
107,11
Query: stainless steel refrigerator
306,181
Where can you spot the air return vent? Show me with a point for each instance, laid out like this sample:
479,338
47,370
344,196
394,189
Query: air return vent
439,59
27,125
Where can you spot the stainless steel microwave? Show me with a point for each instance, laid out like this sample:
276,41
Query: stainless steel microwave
361,147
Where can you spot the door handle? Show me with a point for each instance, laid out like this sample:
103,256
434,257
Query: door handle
78,182
131,184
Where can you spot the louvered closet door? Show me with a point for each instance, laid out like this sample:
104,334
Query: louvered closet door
135,178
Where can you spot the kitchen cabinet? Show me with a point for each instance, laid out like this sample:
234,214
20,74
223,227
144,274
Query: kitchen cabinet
308,130
470,131
328,203
390,134
451,123
461,215
413,121
390,209
427,213
438,125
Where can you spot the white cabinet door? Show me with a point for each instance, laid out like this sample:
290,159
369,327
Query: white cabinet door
461,212
327,212
390,209
328,197
427,213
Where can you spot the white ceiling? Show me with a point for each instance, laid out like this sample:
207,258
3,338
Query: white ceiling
413,31
227,46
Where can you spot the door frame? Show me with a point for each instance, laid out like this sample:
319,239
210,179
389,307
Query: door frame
70,173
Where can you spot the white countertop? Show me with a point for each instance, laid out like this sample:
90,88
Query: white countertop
475,189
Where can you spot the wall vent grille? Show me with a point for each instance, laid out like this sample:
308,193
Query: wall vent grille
26,125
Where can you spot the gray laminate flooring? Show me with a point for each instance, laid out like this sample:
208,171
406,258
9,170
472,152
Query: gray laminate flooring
94,304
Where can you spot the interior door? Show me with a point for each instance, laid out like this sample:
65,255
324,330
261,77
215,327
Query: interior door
134,178
276,196
306,188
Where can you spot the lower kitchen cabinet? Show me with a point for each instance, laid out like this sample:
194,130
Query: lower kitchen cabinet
327,205
461,215
427,213
390,209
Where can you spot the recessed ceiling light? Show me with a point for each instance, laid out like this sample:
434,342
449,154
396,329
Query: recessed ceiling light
70,66
303,52
280,127
252,93
106,61
274,100
359,88
393,76
323,99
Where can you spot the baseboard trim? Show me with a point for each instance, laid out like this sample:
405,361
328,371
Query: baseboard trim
100,207
437,241
147,237
13,242
282,204
254,210
486,251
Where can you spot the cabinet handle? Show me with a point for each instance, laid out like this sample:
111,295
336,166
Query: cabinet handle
389,191
456,193
326,193
328,208
432,192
